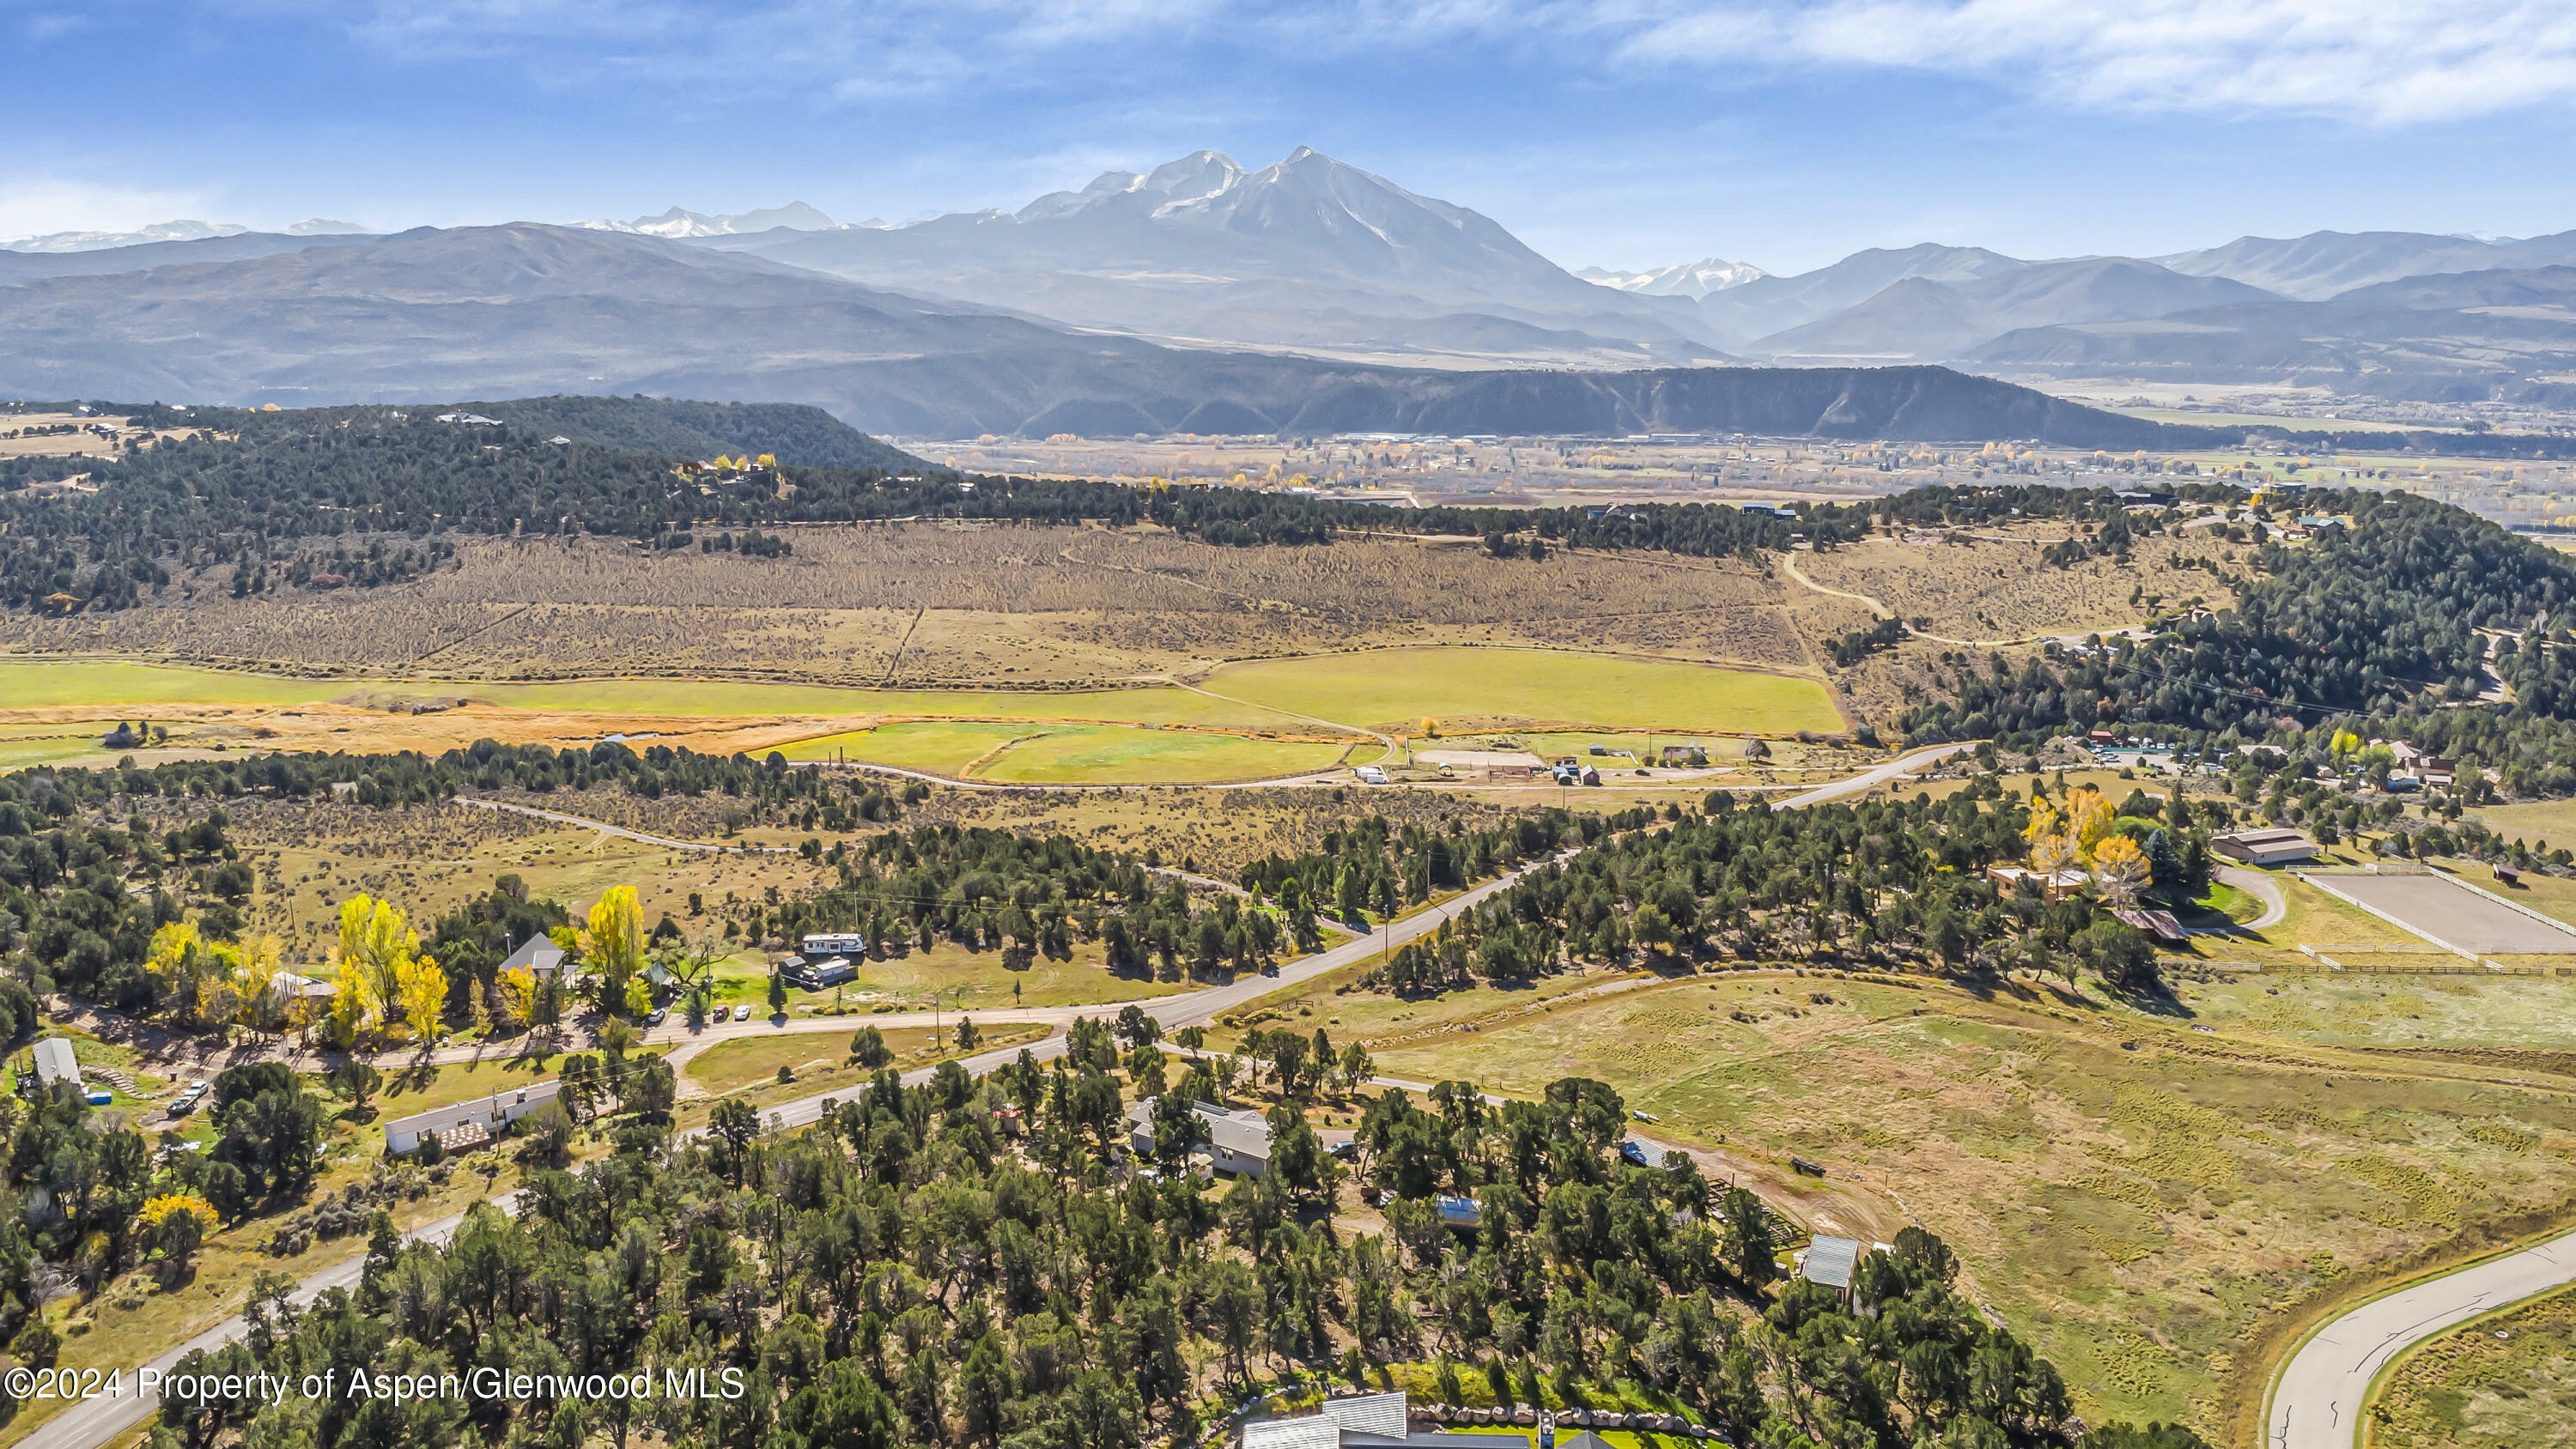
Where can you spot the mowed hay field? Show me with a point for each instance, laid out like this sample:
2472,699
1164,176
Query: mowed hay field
2136,1197
1395,689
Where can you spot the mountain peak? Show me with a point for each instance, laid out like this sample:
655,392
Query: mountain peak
679,223
94,241
1689,279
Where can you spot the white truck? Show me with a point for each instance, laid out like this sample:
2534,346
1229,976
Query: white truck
1370,775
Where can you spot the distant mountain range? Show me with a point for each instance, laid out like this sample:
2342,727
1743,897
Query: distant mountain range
1152,274
1689,279
680,225
164,231
531,310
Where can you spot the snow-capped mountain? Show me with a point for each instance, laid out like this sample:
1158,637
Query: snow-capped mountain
95,241
324,226
1308,254
1689,279
683,225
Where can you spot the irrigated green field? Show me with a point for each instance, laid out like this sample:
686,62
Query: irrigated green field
1053,754
1395,689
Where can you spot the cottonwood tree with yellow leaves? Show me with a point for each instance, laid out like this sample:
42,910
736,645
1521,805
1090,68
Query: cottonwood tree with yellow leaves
2066,839
2121,871
385,980
614,945
211,984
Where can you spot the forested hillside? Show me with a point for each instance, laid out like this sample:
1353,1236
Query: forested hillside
2381,618
363,495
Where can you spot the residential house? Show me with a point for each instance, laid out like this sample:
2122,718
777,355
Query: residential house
1237,1142
1830,1263
539,956
470,1123
1365,1421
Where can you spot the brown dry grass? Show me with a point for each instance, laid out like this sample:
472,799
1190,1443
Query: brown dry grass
927,605
1981,590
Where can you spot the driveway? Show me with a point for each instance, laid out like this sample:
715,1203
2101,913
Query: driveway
2318,1399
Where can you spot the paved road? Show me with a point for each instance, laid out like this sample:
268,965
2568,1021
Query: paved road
1870,779
2262,888
2318,1399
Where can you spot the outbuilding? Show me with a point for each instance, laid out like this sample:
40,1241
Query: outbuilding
55,1064
2278,846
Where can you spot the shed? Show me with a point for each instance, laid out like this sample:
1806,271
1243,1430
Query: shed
55,1063
2161,926
1830,1262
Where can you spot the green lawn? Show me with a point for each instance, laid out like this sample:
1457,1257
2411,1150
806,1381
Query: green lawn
940,746
33,684
729,1065
30,683
1108,755
1394,689
1048,754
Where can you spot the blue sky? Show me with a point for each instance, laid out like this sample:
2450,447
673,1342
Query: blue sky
1625,133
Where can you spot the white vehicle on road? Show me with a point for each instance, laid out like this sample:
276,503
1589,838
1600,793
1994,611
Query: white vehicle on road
742,1012
1370,775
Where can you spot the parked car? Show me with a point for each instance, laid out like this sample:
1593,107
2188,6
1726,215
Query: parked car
188,1099
1635,1154
742,1012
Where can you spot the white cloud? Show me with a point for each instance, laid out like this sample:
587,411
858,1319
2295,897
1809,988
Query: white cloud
2383,61
2378,61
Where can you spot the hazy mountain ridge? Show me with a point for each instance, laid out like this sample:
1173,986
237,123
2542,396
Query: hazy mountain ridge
679,224
531,310
1919,318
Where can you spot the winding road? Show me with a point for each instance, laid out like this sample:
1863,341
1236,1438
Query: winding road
2318,1400
91,1423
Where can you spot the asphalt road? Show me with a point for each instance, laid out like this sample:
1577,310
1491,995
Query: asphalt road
2317,1401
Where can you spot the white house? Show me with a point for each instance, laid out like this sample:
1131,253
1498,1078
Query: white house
469,1124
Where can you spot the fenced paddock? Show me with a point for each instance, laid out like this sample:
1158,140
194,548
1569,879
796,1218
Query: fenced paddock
2448,912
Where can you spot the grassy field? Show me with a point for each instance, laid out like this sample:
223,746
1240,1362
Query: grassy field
1394,689
2506,1382
2553,821
1074,754
730,1065
2132,1195
977,981
1105,755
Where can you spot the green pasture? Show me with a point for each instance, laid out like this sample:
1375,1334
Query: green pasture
1395,689
1110,755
